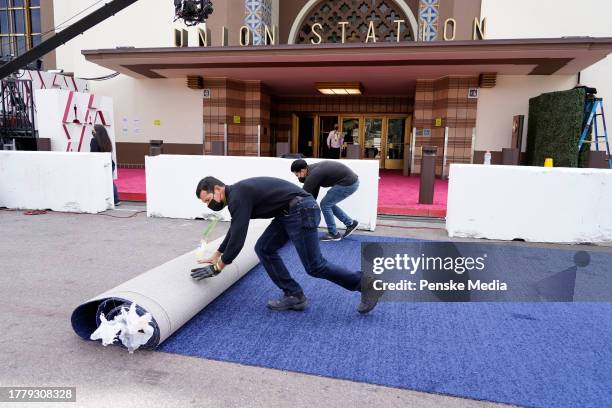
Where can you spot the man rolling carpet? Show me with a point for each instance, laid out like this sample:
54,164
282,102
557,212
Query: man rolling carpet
296,217
343,182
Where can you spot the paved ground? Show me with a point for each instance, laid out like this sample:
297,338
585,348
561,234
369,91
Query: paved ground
52,262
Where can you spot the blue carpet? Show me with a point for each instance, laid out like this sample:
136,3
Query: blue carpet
533,354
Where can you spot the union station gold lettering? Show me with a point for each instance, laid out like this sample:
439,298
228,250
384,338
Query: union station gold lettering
315,28
270,34
453,24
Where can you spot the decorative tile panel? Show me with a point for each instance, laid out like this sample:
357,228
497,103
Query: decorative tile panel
429,11
258,14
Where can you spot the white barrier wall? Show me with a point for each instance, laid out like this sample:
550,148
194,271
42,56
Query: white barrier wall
56,181
172,181
563,205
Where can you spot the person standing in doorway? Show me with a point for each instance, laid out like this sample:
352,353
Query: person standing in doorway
334,142
101,143
343,182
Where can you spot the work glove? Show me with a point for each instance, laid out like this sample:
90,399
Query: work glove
206,272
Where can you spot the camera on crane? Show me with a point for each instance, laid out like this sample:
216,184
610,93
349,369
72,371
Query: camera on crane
192,12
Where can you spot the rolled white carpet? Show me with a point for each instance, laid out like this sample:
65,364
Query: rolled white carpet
168,292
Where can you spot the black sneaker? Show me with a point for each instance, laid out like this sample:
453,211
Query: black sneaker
369,296
330,237
350,229
298,303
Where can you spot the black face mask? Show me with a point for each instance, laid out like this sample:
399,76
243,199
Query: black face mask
301,179
216,205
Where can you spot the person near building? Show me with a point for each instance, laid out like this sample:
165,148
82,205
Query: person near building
343,182
101,143
334,142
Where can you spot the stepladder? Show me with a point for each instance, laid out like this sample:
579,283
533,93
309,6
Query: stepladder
594,130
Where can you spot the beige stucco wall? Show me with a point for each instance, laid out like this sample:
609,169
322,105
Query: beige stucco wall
138,103
497,106
538,19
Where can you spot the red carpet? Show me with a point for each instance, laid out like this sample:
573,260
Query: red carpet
131,185
397,195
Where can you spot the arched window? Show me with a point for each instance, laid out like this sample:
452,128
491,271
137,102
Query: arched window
358,14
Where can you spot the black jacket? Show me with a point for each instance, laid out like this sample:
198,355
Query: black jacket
327,174
257,197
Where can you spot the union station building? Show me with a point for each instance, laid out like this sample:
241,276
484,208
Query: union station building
272,77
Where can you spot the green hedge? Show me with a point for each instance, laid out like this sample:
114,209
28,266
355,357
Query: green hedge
555,124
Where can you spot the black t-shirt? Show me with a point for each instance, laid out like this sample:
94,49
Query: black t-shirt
257,197
326,174
93,146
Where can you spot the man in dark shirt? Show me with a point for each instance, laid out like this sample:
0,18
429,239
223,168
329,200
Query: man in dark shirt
343,182
296,217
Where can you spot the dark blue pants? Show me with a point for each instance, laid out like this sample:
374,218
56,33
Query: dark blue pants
115,192
300,226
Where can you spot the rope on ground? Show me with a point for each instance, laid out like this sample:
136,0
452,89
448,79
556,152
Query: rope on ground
35,212
115,216
41,212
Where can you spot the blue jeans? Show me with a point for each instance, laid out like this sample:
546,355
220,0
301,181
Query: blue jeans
300,226
329,208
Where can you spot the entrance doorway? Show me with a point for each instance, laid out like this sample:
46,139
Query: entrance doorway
350,130
326,125
305,135
384,137
397,142
372,139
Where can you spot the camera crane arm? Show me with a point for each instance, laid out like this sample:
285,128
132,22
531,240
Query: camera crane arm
191,11
84,24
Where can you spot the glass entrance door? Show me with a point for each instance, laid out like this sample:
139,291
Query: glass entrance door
326,125
394,156
385,138
372,141
350,131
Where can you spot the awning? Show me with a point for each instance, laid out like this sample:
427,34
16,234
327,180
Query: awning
383,68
